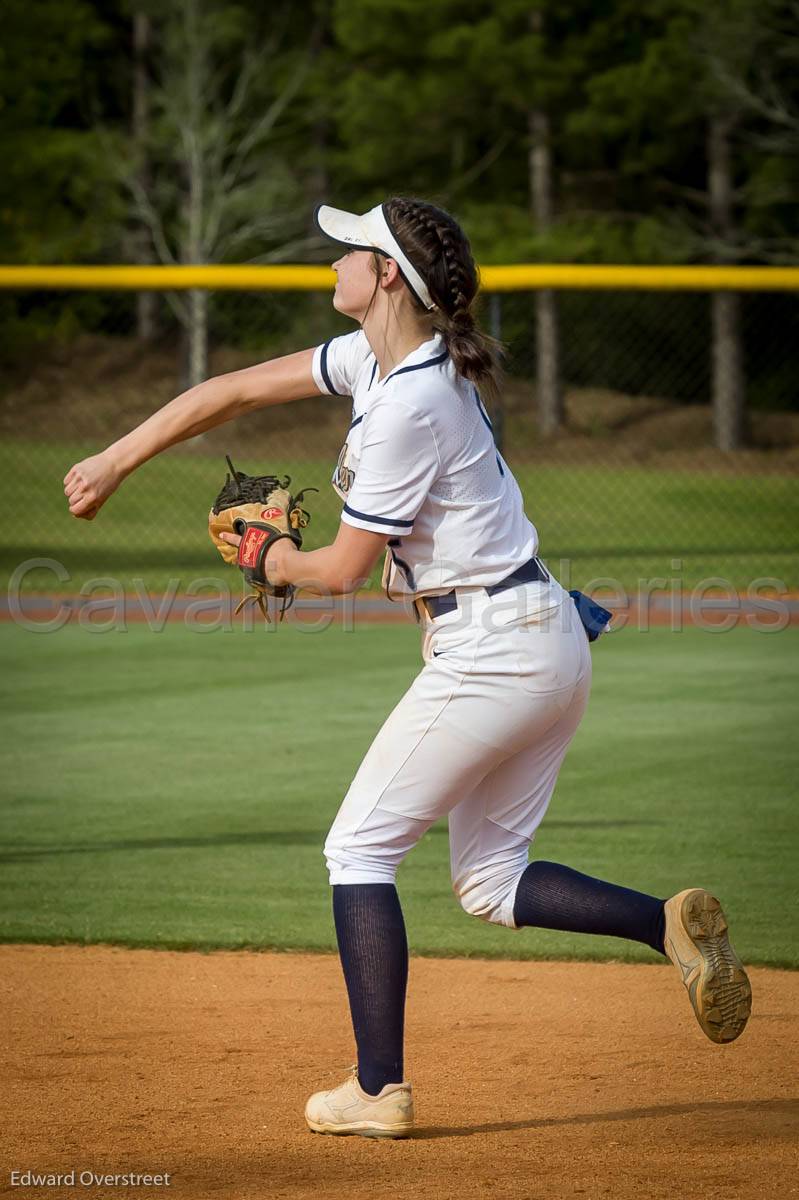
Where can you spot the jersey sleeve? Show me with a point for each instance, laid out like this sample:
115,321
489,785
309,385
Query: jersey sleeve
398,463
335,364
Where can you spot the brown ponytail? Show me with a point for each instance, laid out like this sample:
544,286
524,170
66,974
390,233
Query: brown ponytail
440,251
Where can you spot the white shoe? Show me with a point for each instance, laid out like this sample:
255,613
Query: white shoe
696,941
349,1109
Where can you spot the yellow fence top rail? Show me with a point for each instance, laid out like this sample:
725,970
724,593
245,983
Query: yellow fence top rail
589,278
516,278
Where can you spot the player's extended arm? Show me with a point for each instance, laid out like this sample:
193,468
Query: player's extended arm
88,484
335,570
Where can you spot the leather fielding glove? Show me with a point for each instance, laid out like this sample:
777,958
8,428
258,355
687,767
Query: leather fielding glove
260,509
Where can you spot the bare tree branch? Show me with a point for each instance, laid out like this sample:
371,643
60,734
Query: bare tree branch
147,212
289,250
258,131
179,308
476,170
212,192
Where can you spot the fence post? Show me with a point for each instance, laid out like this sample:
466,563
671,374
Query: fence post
729,385
547,373
728,373
197,333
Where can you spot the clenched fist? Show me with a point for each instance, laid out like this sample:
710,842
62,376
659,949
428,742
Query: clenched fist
88,484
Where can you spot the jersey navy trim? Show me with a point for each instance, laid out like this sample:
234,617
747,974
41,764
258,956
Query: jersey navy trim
372,377
353,512
402,565
323,368
489,426
431,362
482,411
357,421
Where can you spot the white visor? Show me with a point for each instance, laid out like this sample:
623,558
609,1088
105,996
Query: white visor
372,231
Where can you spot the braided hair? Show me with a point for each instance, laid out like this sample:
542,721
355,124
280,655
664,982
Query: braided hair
440,251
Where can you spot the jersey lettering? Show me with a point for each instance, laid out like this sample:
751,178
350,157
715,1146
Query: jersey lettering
343,477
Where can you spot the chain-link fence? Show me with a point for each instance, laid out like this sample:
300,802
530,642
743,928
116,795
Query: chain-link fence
628,486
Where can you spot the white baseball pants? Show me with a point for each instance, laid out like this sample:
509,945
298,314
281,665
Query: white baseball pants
480,735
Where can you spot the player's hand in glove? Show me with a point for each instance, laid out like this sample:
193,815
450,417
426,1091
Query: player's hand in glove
274,562
250,514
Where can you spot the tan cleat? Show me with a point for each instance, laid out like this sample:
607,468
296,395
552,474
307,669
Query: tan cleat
349,1109
696,942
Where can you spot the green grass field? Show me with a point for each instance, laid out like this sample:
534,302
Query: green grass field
174,789
594,522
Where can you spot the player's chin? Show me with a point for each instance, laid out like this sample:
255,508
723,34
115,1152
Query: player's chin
346,305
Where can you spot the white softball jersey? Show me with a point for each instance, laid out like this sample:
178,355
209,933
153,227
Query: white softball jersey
420,463
481,732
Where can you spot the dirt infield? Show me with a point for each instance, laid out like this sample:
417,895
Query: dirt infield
531,1079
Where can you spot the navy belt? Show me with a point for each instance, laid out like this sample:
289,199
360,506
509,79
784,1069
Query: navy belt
533,571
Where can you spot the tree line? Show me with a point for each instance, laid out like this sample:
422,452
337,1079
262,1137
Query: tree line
204,131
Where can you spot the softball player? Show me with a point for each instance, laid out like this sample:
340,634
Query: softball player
482,731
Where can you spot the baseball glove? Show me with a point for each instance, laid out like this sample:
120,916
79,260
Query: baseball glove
261,510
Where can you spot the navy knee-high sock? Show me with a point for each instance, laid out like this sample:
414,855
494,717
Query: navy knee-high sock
374,955
555,897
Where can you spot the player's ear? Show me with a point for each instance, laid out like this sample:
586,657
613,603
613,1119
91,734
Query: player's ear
389,272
